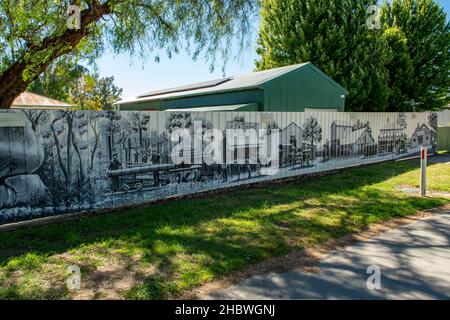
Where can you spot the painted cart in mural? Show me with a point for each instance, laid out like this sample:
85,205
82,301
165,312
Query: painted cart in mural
55,162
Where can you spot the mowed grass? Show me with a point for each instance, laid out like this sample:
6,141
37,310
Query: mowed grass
165,250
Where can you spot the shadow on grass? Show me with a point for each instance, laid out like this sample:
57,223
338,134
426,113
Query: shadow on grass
192,241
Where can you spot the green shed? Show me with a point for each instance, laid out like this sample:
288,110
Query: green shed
292,88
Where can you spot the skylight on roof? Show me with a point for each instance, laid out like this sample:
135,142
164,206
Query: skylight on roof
195,86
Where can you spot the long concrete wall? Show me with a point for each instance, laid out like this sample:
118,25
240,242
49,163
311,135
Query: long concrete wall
56,162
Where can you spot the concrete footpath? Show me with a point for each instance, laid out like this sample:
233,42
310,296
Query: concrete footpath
414,261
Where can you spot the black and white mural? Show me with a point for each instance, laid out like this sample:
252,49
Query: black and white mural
55,162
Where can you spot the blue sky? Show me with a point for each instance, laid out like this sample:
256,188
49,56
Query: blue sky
136,76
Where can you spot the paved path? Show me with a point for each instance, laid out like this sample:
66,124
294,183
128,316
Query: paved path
414,261
439,158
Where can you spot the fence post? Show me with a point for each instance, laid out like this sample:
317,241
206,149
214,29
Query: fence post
423,167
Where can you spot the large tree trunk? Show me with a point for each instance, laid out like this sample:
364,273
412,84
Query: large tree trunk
28,67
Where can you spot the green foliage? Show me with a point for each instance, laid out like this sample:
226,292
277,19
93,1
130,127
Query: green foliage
106,93
402,67
29,261
34,33
143,27
90,92
400,70
69,81
333,36
424,24
59,79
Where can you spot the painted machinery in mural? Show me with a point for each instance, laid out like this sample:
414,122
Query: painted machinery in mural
133,177
152,176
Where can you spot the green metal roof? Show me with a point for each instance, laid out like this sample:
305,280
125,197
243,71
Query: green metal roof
239,82
235,107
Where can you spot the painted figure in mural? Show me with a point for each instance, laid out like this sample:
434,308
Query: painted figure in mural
326,151
20,158
223,170
115,165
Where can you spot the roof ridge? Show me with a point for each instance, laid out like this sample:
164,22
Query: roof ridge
29,93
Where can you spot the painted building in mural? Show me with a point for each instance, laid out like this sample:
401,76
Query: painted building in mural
422,135
55,162
392,137
348,139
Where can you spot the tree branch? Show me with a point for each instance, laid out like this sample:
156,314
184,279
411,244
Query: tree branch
38,57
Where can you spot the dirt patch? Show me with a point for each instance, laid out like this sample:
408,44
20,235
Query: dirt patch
106,278
308,259
416,192
106,282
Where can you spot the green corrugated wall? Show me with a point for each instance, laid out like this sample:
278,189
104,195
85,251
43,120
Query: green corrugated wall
300,89
444,138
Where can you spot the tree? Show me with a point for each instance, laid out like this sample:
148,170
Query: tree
333,35
68,81
34,33
59,79
401,71
106,93
425,26
83,91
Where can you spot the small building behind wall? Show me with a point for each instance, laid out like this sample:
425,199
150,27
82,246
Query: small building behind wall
293,88
28,100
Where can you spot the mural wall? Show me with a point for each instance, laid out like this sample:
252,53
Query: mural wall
57,162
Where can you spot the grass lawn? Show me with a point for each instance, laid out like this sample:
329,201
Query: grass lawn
167,249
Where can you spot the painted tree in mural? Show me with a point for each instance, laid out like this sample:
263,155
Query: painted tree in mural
139,124
159,142
73,147
35,117
33,34
272,125
312,132
401,120
112,129
179,120
70,138
360,125
205,126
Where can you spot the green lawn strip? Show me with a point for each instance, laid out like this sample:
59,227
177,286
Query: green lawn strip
172,247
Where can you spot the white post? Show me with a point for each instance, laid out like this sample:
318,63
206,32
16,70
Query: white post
423,167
